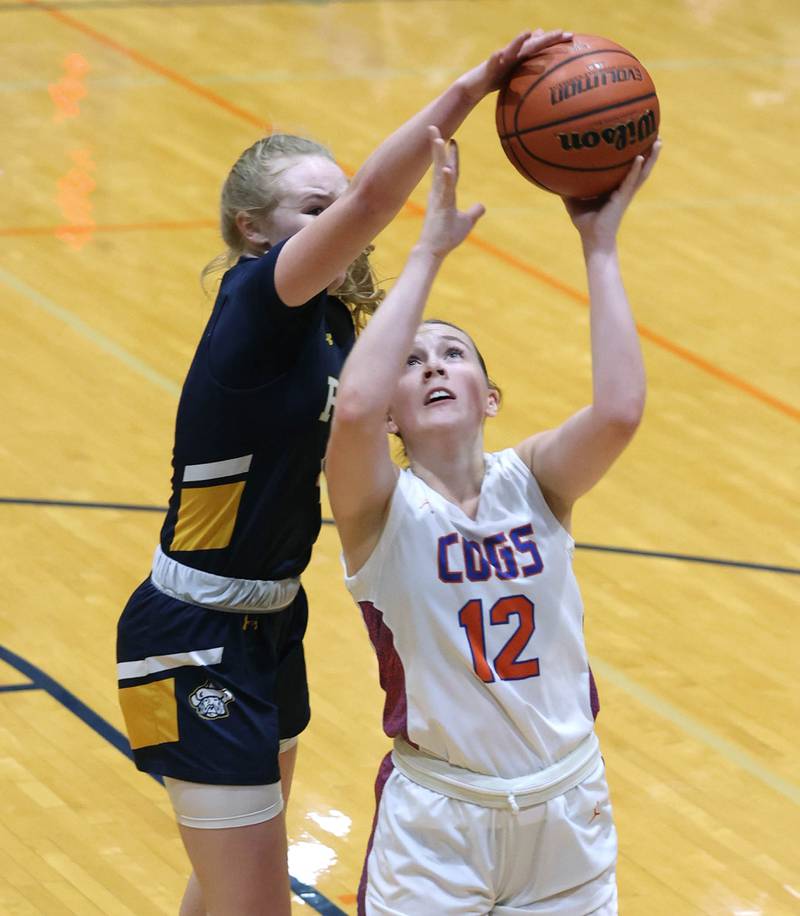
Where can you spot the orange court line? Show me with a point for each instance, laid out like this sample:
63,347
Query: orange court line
722,374
153,65
654,337
659,340
529,269
18,231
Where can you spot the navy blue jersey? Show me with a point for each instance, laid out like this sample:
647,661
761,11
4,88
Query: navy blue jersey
252,427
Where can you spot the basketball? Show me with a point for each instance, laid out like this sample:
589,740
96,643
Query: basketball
572,118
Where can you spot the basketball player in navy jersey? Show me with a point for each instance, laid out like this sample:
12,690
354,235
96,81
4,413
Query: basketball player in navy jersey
494,799
210,657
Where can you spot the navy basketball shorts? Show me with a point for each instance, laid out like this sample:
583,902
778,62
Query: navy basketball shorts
207,695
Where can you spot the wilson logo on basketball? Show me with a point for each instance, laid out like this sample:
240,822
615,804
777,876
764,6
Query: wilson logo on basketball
573,118
580,84
619,136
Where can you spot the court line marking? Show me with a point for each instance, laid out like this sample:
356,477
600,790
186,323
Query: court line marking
92,228
666,710
86,330
41,681
284,74
696,730
172,387
603,548
644,697
653,65
76,504
659,340
694,359
658,705
148,63
688,558
137,4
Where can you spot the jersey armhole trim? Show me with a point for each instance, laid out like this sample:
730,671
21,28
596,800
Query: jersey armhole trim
371,568
523,469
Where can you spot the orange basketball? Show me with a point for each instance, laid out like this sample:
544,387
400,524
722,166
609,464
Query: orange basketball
573,118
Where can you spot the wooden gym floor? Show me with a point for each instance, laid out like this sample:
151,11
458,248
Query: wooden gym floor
121,120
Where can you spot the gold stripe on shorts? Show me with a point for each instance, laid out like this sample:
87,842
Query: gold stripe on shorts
151,713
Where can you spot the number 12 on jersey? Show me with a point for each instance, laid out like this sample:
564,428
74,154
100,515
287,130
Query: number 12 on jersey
506,664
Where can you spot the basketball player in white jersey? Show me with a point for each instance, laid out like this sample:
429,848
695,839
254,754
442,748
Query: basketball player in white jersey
494,798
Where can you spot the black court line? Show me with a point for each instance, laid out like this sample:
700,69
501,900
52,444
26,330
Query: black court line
77,504
41,681
628,551
714,561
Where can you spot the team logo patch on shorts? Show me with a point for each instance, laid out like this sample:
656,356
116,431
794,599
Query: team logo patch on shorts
210,701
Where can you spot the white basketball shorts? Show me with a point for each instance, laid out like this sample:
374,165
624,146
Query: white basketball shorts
433,854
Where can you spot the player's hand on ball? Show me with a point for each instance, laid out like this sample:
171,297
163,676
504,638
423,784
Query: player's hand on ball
539,40
488,76
598,219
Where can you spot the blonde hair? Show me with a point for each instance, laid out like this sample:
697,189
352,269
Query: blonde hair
253,185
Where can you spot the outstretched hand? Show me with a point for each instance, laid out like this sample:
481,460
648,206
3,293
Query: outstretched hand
489,75
445,225
598,219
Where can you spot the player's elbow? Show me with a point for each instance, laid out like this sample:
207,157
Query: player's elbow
355,408
374,197
624,413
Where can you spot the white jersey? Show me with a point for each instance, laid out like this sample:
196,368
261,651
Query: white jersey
478,625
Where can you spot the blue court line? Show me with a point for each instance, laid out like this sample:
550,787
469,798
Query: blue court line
41,681
627,551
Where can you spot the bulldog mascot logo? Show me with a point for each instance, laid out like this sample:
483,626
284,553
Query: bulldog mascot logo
210,702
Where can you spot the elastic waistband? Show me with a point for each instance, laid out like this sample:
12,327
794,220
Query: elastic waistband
493,791
251,596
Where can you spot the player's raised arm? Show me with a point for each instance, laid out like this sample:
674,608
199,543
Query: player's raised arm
322,250
358,467
569,460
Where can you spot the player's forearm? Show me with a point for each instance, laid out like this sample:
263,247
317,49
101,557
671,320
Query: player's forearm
373,369
392,172
618,375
